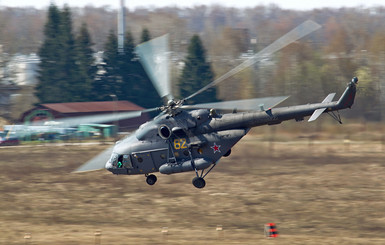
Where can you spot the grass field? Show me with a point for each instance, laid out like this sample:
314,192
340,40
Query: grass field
329,191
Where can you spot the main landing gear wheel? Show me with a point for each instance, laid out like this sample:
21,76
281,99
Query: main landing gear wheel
151,179
199,182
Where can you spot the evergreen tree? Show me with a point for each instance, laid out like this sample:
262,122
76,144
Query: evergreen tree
130,85
68,69
146,36
197,73
124,76
59,74
108,82
46,90
86,65
136,86
147,96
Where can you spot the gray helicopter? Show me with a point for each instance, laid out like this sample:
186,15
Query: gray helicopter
194,138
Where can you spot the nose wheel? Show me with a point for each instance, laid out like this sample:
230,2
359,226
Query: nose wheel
151,179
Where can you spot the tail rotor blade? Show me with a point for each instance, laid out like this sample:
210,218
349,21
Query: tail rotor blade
300,31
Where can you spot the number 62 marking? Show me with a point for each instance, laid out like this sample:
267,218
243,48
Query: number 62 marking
180,144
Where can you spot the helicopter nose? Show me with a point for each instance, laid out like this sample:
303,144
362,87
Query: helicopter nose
113,169
108,166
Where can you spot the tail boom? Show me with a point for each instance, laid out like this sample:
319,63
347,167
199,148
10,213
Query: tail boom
278,115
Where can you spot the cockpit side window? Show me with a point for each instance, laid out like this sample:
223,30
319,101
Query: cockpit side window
121,161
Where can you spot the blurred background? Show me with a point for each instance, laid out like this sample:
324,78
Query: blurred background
85,40
320,182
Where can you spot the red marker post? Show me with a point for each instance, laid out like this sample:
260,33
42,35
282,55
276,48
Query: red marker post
271,230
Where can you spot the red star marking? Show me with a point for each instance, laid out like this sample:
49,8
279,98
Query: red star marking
215,148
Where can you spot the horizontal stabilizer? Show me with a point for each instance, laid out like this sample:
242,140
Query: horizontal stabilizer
318,112
329,98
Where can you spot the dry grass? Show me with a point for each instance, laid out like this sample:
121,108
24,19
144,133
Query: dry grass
320,192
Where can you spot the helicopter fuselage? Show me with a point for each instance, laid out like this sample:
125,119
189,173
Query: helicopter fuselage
173,144
190,138
194,140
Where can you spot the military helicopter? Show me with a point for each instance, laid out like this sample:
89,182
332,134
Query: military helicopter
194,138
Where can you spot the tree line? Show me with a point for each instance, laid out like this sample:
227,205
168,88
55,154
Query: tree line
350,43
68,71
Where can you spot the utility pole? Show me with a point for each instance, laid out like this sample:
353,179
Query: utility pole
121,27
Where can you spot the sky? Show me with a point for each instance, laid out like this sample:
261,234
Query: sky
132,4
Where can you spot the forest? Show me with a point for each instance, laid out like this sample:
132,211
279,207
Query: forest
350,43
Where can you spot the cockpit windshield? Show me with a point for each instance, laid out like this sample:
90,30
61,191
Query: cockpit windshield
114,159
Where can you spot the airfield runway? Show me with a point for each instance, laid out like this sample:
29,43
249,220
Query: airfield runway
317,192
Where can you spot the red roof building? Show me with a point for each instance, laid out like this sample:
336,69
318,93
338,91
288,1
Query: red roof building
93,107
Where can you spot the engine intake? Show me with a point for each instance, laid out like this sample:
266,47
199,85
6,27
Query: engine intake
164,131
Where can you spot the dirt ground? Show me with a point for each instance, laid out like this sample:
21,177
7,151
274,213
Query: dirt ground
317,192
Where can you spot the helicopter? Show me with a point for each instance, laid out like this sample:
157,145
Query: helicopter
194,138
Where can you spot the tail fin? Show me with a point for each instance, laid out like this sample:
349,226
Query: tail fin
347,98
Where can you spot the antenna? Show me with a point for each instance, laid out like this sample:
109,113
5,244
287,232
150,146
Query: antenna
121,27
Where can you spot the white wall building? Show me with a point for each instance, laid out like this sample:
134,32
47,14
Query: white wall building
24,69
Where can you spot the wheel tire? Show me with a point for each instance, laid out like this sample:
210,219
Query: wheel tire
199,182
151,179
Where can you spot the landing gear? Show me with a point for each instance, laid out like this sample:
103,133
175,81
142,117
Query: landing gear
199,182
151,179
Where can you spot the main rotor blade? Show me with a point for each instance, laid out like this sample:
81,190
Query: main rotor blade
110,117
154,56
97,162
300,31
242,105
100,118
